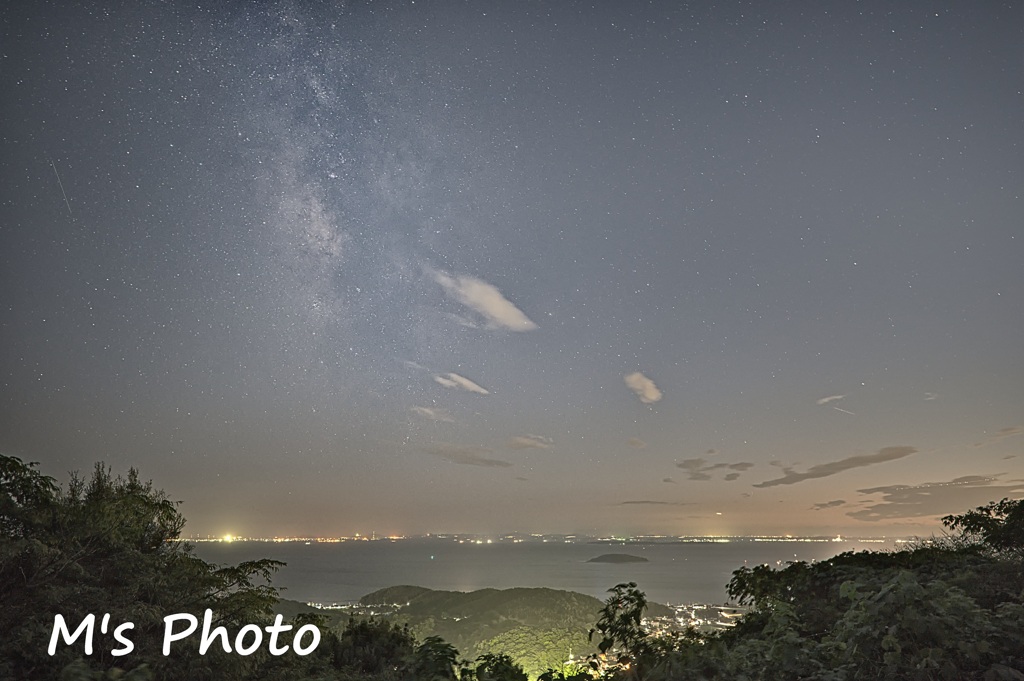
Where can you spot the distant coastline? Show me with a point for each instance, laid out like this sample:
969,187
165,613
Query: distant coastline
546,539
484,539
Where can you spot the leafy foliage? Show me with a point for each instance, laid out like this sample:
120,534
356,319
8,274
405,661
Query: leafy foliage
373,648
492,667
997,526
108,546
621,624
436,660
540,650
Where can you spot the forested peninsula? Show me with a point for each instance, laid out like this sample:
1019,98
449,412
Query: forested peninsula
108,547
618,558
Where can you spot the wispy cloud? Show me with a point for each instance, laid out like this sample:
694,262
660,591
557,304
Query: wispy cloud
830,398
935,498
696,469
433,414
409,364
486,300
1000,434
467,455
643,387
669,480
828,504
463,321
833,467
647,502
461,382
700,469
636,443
530,442
931,396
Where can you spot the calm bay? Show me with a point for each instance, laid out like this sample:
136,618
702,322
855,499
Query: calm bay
675,573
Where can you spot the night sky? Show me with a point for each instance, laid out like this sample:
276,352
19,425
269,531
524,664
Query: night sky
322,268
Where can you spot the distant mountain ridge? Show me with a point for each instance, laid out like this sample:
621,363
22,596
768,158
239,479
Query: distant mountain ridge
618,558
393,595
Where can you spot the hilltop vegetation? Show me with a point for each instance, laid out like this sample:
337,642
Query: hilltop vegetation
539,628
949,609
487,608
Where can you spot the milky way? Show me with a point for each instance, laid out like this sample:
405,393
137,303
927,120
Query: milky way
320,268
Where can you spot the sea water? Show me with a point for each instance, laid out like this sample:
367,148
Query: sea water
675,573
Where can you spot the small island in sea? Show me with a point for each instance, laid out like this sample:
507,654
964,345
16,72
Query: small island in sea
618,558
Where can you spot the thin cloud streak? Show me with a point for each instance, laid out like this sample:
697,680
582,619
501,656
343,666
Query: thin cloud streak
1000,434
408,363
452,380
828,504
935,498
433,414
530,442
699,469
467,456
824,470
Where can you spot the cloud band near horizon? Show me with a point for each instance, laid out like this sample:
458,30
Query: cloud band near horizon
833,467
